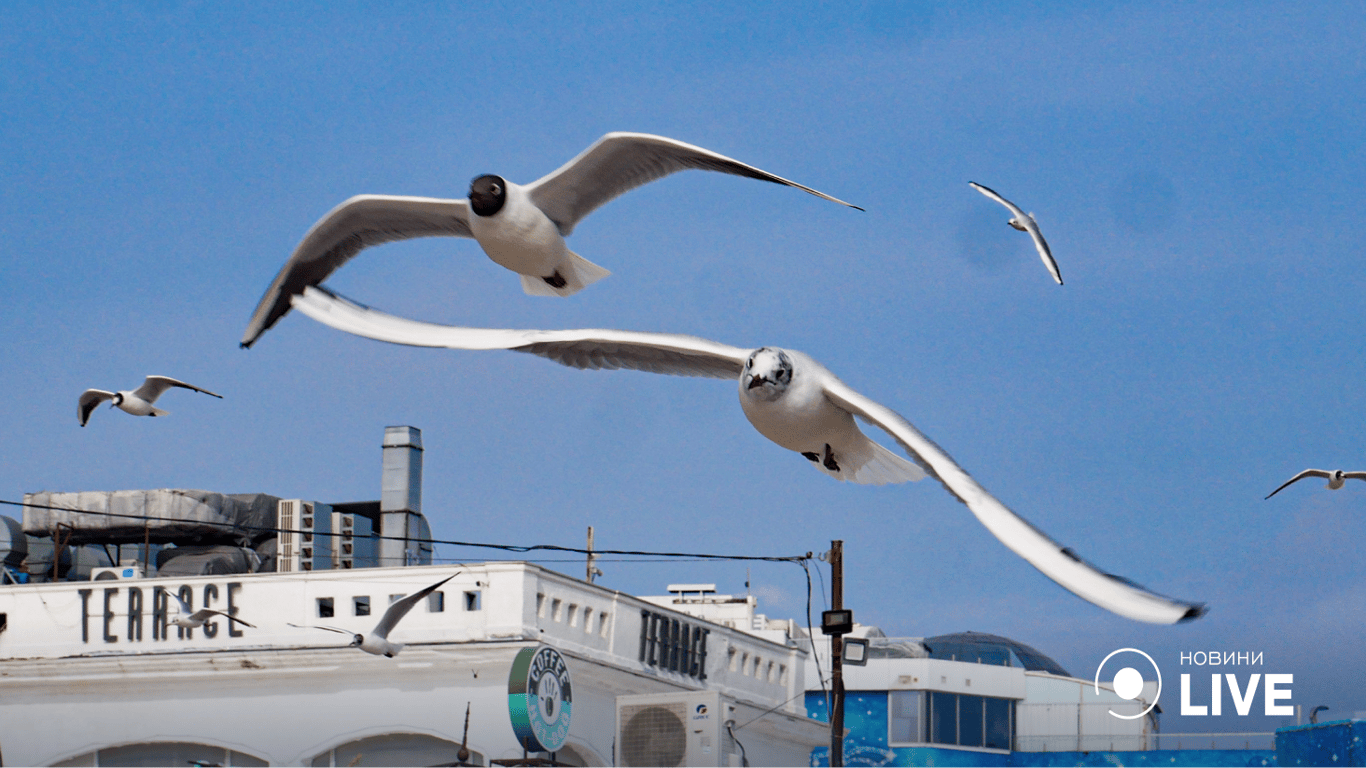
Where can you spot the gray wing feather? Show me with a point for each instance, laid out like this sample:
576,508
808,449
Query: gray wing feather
673,354
619,162
1061,564
154,386
357,224
399,608
203,614
89,400
1306,473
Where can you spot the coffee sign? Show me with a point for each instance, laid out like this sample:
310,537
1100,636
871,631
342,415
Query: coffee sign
540,699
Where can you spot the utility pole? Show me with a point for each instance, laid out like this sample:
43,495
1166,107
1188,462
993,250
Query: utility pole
836,623
592,570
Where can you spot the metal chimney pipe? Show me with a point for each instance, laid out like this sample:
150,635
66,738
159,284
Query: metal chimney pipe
400,493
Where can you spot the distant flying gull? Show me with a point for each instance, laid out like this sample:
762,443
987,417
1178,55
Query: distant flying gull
1025,223
137,402
1335,478
190,619
520,227
377,640
792,400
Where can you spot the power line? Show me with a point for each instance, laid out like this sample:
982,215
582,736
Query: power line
234,528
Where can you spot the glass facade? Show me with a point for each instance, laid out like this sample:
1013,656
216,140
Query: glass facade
935,717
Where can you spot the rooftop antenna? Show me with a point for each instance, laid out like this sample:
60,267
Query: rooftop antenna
463,755
746,581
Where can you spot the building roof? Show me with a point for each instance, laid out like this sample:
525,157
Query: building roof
986,648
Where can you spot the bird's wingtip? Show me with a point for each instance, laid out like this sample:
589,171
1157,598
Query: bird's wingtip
1194,612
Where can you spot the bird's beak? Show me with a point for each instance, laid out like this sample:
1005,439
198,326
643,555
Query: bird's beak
755,381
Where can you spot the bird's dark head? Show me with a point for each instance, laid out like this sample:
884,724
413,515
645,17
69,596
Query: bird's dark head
117,400
488,193
356,640
1337,475
768,374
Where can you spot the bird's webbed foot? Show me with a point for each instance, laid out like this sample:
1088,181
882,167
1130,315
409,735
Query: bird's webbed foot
829,461
556,280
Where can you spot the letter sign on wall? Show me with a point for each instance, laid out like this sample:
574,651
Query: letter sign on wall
540,699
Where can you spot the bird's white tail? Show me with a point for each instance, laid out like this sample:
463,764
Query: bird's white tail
871,464
159,412
578,273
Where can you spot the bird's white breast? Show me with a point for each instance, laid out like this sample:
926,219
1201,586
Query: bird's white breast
802,419
519,236
134,404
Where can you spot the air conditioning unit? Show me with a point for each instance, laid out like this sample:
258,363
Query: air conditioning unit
355,545
305,535
119,573
675,729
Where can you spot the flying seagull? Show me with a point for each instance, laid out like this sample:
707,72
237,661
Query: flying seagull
1025,223
1335,478
520,227
377,640
792,400
192,619
137,402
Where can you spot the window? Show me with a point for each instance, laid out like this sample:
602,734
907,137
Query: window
904,717
325,610
960,719
436,602
999,725
395,598
362,605
472,601
555,609
943,718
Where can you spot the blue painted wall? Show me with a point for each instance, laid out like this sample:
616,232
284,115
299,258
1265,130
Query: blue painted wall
865,716
1341,742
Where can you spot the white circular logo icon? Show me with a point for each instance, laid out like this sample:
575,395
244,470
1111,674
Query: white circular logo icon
1128,682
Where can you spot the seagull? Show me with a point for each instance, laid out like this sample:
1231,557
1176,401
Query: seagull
793,401
377,640
520,227
1025,223
1336,478
191,619
137,402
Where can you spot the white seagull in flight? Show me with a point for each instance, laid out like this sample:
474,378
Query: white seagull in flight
1025,223
1336,478
376,641
137,402
192,619
520,227
792,400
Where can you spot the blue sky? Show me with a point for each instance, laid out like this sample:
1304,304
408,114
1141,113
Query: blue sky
1196,168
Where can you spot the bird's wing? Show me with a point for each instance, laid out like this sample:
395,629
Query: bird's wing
594,348
1306,473
89,400
204,613
318,626
153,387
619,162
1061,564
1355,475
399,608
991,193
1041,246
183,606
351,227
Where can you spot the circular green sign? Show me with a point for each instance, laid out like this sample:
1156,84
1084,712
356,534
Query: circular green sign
540,699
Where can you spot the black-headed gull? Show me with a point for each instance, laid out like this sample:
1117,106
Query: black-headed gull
192,619
376,641
1335,478
520,227
792,400
137,401
1025,223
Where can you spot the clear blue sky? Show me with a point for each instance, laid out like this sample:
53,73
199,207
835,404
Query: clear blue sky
1197,168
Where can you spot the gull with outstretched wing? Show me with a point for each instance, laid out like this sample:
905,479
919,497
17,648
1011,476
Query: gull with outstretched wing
792,400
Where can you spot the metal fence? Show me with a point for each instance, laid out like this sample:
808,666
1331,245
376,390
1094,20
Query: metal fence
1072,742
